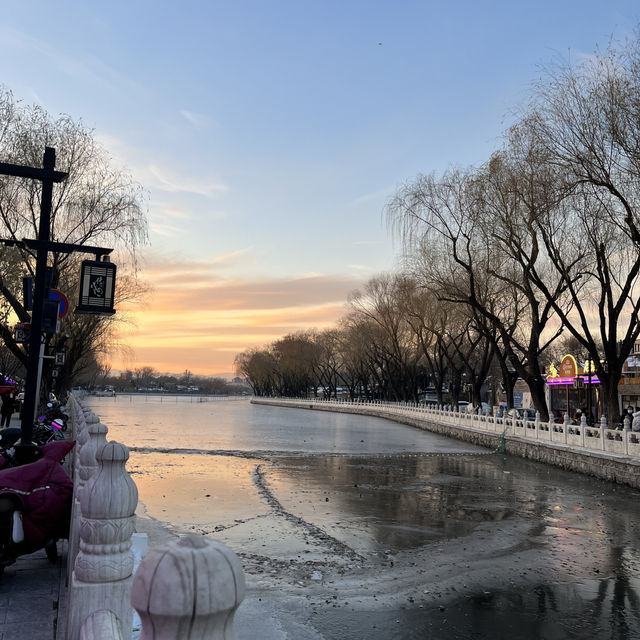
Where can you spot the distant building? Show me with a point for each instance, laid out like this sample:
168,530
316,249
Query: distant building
629,388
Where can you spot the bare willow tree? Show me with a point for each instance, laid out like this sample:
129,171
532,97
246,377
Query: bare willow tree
428,319
467,234
356,338
586,120
393,341
296,355
553,218
96,205
259,367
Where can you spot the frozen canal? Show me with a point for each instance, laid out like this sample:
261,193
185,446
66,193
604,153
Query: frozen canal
352,527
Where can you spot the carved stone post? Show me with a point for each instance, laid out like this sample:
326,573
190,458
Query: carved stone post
76,415
102,577
96,438
86,468
102,625
188,589
83,435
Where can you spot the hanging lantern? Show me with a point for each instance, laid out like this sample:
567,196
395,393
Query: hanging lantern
97,286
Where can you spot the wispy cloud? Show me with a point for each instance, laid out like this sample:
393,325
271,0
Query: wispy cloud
162,177
197,120
167,269
86,69
175,212
200,319
166,230
165,179
171,338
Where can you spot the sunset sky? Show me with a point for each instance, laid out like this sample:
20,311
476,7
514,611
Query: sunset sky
270,134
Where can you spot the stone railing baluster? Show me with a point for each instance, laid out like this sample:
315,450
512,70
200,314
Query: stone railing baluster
102,625
102,574
188,589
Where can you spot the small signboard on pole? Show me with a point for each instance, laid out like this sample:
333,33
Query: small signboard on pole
57,296
97,286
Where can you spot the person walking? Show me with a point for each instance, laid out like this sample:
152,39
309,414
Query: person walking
6,410
635,424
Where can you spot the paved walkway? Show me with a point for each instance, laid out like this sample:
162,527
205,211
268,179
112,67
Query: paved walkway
32,593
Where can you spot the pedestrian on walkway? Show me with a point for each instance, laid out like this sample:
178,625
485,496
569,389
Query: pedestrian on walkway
8,403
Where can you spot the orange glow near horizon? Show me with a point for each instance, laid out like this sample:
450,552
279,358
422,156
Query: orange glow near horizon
203,326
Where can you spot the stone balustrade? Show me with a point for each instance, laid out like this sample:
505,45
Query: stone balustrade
190,588
597,450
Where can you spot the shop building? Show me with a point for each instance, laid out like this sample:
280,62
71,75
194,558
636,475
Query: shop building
574,387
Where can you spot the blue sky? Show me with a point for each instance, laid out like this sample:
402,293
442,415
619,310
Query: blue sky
271,134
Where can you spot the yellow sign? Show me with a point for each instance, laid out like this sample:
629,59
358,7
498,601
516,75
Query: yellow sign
568,367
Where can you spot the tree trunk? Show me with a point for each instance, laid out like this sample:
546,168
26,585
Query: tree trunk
537,387
609,385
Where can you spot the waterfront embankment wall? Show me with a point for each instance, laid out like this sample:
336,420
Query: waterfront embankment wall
596,451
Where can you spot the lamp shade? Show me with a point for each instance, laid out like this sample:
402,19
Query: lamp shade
97,286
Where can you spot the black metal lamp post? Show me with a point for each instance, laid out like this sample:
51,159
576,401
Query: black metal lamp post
47,175
26,450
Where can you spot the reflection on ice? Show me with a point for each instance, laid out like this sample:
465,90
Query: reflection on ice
425,534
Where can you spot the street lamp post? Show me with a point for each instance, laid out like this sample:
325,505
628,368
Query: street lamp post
47,175
25,452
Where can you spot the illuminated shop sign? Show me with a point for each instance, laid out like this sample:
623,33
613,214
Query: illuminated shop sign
585,379
567,373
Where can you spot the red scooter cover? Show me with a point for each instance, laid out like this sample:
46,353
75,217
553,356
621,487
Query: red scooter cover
45,492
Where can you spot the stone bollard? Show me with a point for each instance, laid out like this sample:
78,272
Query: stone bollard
83,435
188,589
102,574
102,625
77,416
87,463
87,466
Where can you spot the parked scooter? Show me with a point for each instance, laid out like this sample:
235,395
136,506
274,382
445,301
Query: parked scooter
44,431
35,505
54,412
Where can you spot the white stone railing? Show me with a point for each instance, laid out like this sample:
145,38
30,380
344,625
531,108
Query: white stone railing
190,588
580,437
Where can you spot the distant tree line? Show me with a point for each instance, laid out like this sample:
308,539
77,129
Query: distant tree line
502,261
148,380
